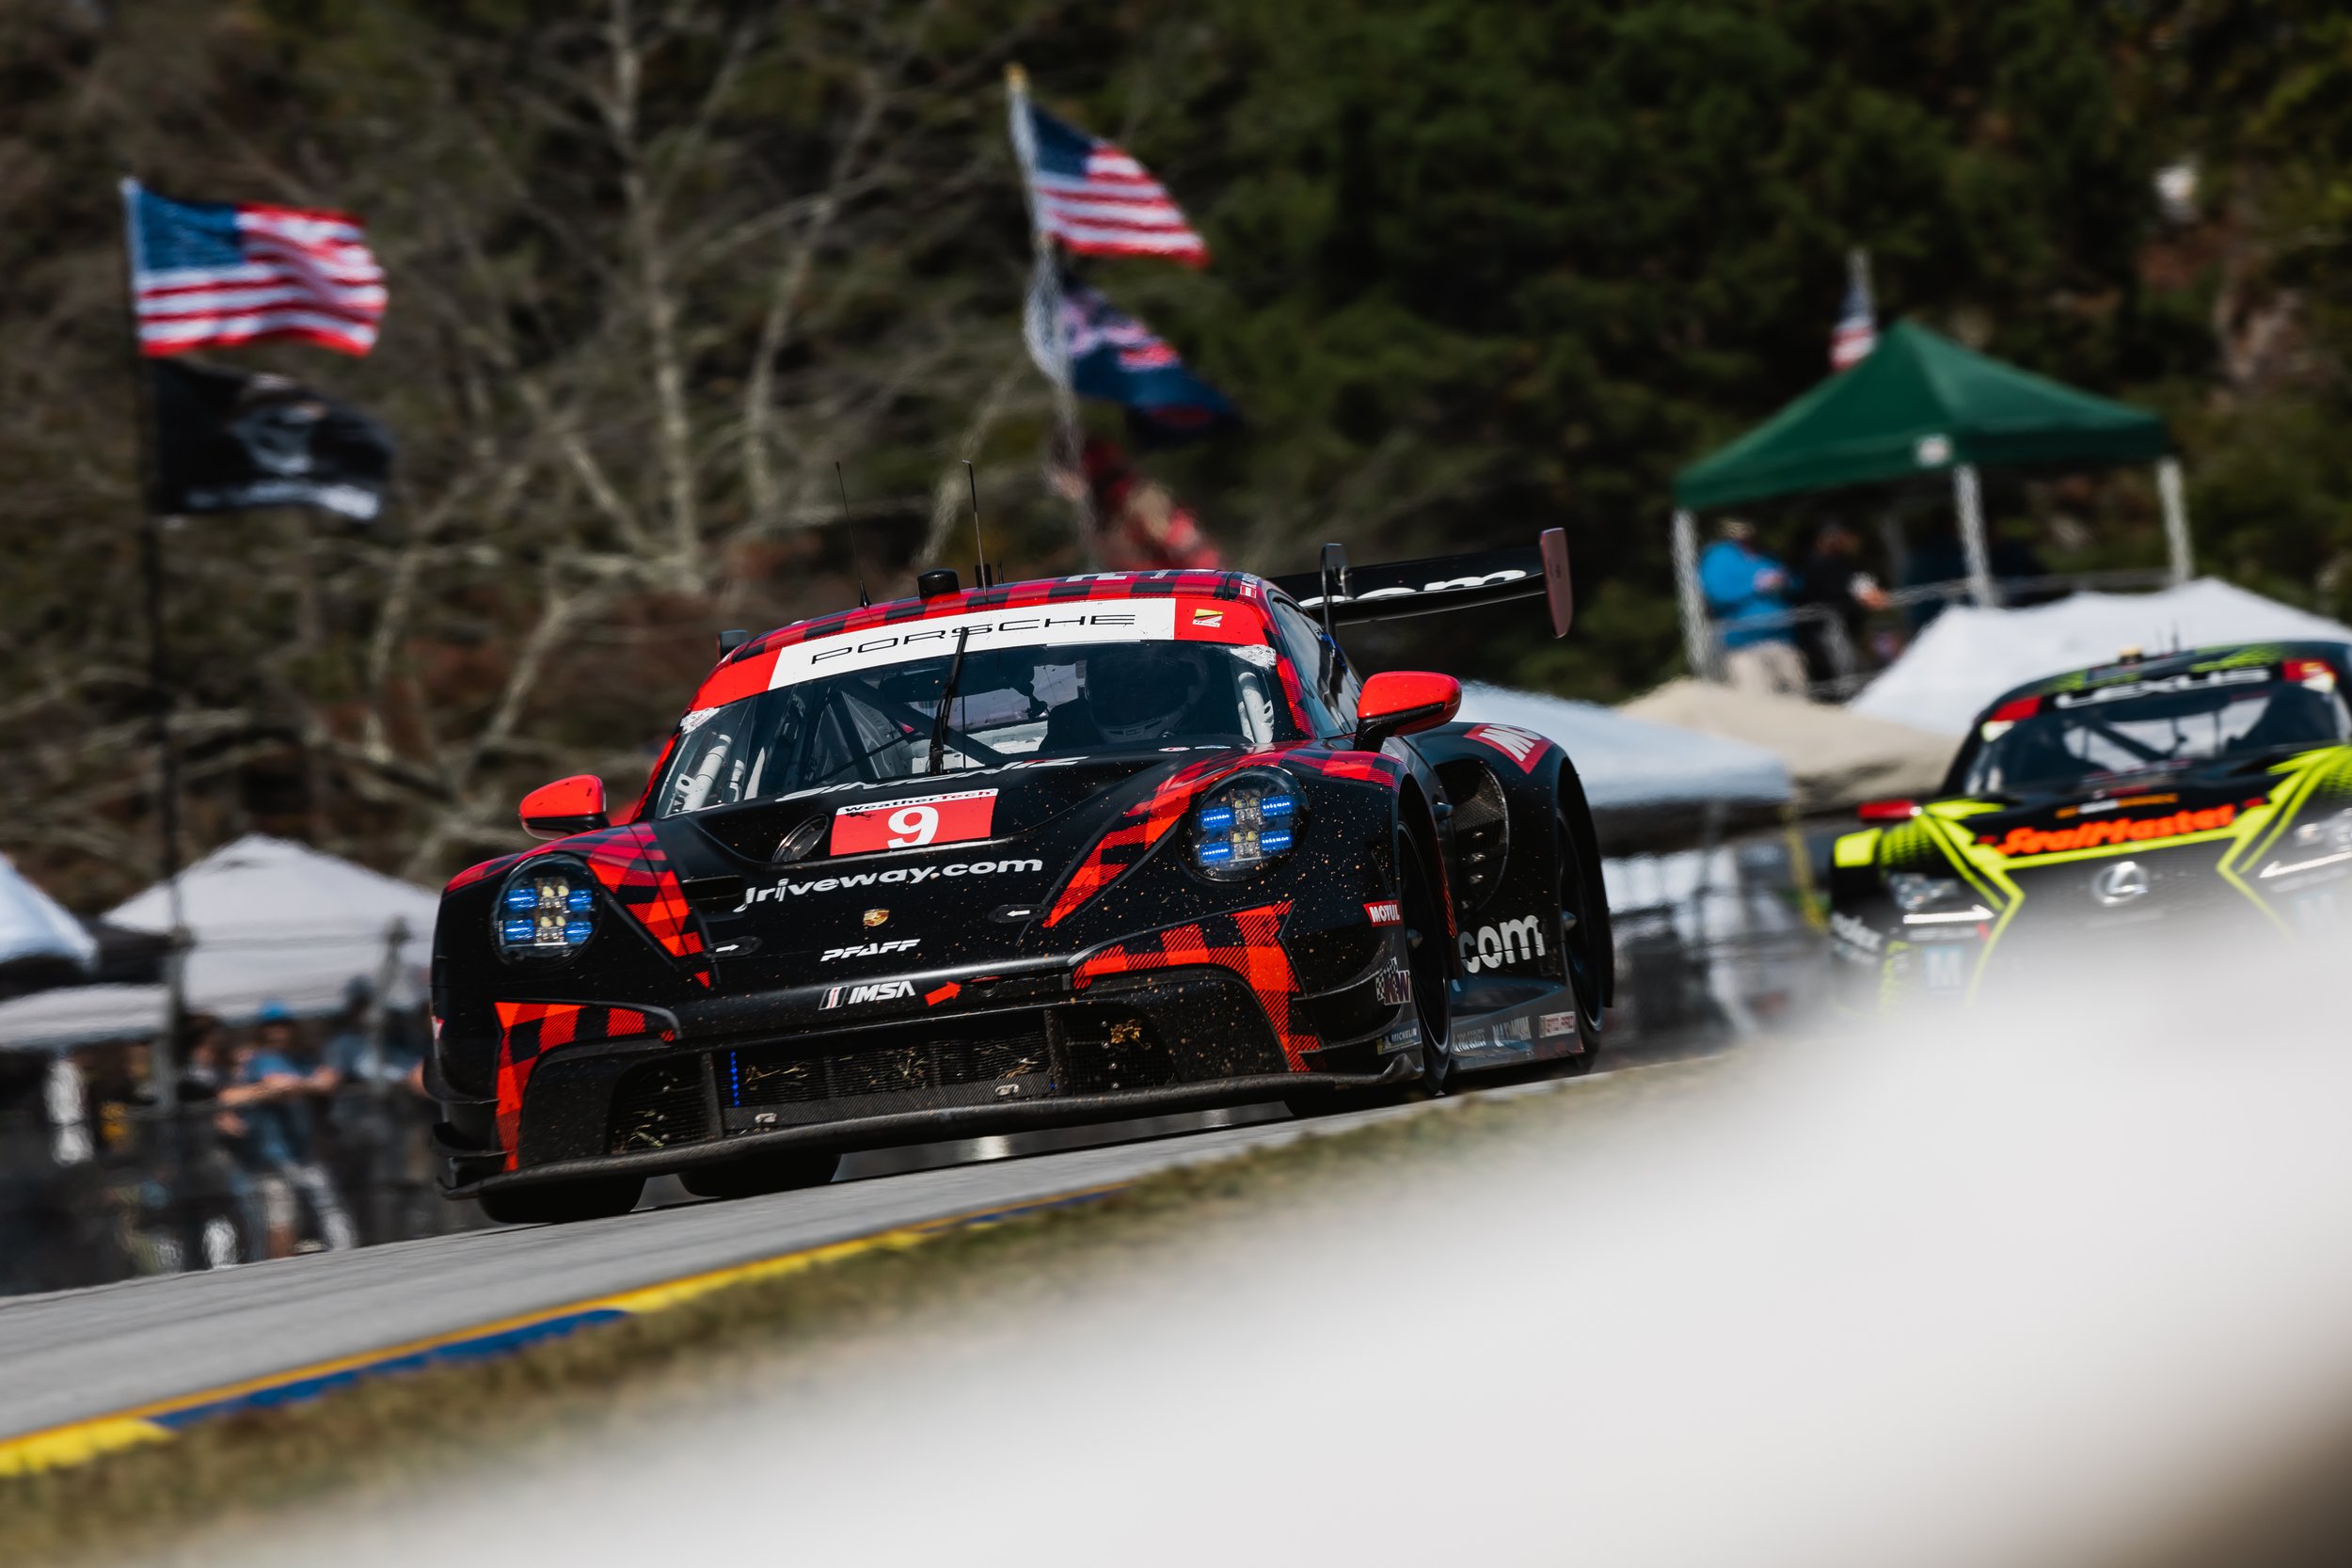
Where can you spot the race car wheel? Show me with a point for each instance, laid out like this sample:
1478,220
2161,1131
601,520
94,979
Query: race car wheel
596,1198
1425,960
770,1172
1577,937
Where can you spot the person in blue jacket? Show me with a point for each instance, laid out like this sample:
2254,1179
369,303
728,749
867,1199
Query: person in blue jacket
1744,590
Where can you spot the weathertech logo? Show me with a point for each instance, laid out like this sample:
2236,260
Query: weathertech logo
2109,831
858,996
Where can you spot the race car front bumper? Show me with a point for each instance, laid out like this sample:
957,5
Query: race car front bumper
1169,1041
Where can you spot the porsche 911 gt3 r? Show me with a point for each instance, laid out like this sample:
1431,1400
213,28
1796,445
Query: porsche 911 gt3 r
2102,810
1015,856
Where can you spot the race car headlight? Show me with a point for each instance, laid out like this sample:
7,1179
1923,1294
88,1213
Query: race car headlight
548,908
1246,826
1912,891
2321,843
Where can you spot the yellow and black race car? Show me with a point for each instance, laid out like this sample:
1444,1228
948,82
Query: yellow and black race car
2093,812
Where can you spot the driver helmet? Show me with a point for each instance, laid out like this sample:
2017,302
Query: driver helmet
1139,692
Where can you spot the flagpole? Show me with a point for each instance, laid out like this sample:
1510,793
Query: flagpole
1045,291
165,1056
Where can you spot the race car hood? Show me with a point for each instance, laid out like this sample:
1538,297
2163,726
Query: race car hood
2154,808
923,876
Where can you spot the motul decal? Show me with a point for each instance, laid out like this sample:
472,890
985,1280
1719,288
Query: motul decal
1518,745
909,824
2111,830
1386,913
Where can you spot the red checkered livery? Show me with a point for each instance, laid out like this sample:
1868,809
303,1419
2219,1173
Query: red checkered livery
1365,767
1249,943
1147,822
630,865
528,1030
474,874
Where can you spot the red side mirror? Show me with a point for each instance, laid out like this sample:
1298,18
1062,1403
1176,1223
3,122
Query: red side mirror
1887,810
1399,701
573,805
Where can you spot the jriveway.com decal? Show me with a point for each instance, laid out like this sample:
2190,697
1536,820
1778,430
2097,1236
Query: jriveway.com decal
908,874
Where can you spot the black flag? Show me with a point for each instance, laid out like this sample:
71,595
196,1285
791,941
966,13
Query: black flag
226,442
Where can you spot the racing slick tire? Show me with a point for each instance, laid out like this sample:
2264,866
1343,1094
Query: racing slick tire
756,1177
1577,937
594,1198
1425,974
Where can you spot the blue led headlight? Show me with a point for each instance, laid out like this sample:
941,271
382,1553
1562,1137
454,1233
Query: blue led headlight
1245,825
547,910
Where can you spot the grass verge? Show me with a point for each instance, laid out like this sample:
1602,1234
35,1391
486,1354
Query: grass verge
396,1432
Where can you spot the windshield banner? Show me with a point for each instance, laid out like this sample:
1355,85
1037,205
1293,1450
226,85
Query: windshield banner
1079,621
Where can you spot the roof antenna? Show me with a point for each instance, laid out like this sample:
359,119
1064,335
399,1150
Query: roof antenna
979,556
863,599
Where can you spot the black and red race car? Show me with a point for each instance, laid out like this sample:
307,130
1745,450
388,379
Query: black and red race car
1016,856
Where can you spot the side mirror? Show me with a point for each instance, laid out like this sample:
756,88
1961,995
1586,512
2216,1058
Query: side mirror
1399,701
1887,810
573,805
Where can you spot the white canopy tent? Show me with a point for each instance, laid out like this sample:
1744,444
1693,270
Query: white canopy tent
1836,758
1645,781
35,925
1968,655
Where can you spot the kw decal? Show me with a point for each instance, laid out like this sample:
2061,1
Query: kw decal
1513,941
869,949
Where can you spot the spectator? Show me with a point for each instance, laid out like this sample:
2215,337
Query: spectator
223,1206
381,1116
1833,582
1744,590
272,1092
1140,526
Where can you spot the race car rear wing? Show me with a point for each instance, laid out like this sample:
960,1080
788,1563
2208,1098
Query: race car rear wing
1343,594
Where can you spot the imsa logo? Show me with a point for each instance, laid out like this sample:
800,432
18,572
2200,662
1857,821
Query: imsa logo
1514,941
858,996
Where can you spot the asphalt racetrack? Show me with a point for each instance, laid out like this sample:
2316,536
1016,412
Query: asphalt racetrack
80,1354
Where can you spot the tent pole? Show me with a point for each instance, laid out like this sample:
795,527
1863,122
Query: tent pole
1970,504
2175,519
1697,640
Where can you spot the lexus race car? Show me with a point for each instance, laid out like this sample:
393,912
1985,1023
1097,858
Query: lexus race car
2095,813
1017,856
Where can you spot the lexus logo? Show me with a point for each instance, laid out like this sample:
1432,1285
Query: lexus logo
2119,884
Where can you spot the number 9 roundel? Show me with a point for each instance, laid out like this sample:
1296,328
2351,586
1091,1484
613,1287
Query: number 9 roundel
910,824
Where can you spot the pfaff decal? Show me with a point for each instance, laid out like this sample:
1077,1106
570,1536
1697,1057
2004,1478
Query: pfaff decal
869,949
858,996
1518,745
2112,830
909,874
1512,941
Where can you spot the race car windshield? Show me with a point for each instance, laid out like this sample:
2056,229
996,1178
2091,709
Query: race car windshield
1010,704
2064,749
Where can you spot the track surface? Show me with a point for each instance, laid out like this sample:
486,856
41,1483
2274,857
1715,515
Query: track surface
84,1353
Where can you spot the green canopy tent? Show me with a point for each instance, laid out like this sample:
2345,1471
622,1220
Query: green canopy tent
1919,403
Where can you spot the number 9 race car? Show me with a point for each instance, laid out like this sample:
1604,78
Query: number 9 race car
2090,813
1019,856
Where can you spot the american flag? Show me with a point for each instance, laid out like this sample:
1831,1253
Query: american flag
1093,198
209,275
1857,330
